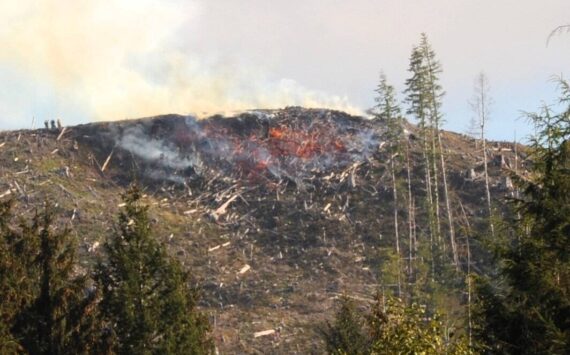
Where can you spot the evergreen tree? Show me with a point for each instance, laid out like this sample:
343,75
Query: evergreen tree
418,107
46,309
10,274
435,94
424,94
346,334
148,301
388,113
526,309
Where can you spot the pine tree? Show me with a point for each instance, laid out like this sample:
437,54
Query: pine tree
148,301
388,113
10,275
45,307
435,94
346,335
417,99
424,94
526,309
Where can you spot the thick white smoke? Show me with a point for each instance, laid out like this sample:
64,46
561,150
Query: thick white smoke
119,59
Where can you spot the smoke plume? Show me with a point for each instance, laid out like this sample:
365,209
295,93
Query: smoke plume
119,59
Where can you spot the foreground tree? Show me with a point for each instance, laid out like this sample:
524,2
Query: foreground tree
526,310
391,327
45,308
397,328
346,335
148,301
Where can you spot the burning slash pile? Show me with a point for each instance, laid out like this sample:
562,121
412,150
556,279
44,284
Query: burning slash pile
259,147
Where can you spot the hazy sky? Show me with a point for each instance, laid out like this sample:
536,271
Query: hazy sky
102,60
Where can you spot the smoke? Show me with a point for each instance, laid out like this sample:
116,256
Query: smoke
151,149
119,59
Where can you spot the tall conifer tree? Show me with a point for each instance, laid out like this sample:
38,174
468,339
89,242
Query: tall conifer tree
526,309
388,113
148,301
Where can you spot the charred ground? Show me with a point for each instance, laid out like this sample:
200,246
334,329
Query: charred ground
277,212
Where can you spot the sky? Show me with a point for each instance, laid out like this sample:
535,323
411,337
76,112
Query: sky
84,61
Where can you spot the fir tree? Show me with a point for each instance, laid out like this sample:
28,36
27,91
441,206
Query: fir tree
418,107
346,335
148,301
388,113
45,307
526,309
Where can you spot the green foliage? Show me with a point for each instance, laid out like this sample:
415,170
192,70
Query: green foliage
148,301
388,112
526,308
391,327
416,95
346,335
399,329
44,309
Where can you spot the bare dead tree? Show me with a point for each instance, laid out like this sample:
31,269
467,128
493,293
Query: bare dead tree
480,105
469,286
396,230
411,215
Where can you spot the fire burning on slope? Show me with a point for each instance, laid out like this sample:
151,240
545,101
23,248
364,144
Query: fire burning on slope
293,144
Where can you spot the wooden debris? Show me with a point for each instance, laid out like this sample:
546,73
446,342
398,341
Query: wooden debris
223,208
264,333
61,134
18,188
64,189
8,192
244,269
107,160
93,247
218,246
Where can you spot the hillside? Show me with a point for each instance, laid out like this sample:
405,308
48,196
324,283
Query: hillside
277,212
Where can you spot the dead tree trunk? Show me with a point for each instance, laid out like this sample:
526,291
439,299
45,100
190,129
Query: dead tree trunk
469,286
487,190
396,231
429,201
434,154
448,205
411,229
480,106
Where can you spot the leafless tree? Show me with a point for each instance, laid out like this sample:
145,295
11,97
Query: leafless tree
481,106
